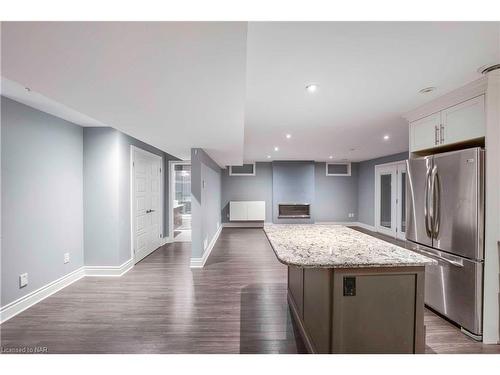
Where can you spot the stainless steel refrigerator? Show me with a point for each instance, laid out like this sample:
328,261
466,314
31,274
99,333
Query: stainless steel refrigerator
445,221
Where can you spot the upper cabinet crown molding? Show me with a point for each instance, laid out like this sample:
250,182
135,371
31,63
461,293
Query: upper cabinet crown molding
471,90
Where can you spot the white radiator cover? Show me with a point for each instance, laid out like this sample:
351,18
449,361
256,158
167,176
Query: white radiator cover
247,210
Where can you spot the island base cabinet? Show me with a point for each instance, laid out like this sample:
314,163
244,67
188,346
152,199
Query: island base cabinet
360,310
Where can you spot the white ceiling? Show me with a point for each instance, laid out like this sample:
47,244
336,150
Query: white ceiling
369,74
174,85
197,84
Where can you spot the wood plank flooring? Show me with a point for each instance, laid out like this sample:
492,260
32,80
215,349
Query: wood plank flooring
236,304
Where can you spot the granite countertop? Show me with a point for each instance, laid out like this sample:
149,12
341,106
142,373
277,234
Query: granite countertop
336,246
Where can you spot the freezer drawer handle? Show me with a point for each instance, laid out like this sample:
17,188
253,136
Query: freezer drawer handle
437,257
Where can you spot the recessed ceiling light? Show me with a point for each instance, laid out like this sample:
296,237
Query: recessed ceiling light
312,87
386,137
276,148
330,157
427,90
269,156
27,89
288,136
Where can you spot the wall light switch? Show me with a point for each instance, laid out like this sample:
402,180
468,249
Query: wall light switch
23,280
66,258
205,243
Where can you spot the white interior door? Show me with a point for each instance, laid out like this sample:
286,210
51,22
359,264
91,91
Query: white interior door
390,205
147,209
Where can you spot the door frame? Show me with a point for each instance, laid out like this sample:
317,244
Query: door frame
134,149
396,196
171,193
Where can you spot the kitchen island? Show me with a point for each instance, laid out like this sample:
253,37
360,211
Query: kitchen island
350,292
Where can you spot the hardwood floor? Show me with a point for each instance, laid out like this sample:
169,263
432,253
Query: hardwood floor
236,304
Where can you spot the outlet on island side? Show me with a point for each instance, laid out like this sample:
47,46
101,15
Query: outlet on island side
66,258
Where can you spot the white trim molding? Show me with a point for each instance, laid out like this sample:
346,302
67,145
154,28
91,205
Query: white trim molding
348,224
200,262
19,305
110,271
244,224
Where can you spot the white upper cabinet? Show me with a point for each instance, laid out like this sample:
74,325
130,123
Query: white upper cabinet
464,121
459,123
424,132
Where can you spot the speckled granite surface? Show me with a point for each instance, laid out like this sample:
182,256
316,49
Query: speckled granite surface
336,246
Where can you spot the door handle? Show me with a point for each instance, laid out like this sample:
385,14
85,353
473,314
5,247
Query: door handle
436,136
441,133
426,202
436,202
149,211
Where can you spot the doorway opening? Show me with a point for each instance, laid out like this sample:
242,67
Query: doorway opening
390,199
180,201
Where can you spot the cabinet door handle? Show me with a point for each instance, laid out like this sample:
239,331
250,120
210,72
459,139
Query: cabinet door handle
441,133
436,137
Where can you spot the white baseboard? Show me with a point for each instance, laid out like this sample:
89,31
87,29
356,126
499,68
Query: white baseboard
166,240
245,224
348,224
200,262
110,271
15,307
366,226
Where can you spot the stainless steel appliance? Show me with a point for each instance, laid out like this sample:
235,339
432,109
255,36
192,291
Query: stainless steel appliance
445,221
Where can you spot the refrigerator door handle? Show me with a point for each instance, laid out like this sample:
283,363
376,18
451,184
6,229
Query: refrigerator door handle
436,202
426,203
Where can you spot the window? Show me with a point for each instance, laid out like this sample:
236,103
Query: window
242,170
338,169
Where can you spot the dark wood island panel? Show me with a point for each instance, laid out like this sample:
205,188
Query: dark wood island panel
359,310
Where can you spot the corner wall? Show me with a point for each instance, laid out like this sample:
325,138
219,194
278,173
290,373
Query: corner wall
107,224
205,202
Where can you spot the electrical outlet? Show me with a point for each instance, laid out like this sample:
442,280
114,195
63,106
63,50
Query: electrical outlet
23,280
66,258
218,224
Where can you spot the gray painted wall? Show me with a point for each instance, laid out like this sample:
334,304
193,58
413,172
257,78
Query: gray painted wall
248,188
336,196
366,186
205,200
107,194
293,182
101,196
42,198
